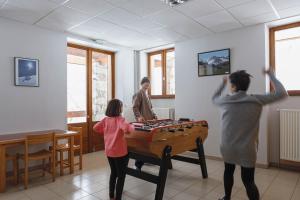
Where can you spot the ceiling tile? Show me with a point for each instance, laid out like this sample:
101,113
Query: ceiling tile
166,34
59,1
220,21
94,28
169,17
123,37
231,3
284,4
290,12
27,11
63,18
143,25
143,7
251,9
90,7
117,2
199,8
259,19
119,16
191,29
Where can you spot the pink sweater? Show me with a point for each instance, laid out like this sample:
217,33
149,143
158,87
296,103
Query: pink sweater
114,129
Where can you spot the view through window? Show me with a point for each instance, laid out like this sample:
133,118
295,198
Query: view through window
286,57
161,70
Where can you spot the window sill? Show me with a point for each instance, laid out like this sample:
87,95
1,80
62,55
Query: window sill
294,92
162,96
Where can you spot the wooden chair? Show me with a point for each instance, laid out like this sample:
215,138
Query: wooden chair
77,147
43,155
14,160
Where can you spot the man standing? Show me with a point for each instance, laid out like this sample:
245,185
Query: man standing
142,108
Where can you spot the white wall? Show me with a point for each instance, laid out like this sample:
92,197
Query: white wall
25,108
193,94
125,75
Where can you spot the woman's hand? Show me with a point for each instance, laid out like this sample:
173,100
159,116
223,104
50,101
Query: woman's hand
140,119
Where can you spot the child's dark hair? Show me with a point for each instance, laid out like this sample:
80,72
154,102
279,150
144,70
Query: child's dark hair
114,108
145,80
240,79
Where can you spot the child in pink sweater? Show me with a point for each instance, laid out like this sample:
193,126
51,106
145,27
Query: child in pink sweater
114,127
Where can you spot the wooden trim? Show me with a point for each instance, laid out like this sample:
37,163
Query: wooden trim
291,165
78,46
76,114
113,70
164,73
162,96
294,92
286,26
90,101
273,53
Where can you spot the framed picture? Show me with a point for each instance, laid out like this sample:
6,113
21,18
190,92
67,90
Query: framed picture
214,63
26,72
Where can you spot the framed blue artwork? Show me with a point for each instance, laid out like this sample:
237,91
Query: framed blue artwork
214,63
26,72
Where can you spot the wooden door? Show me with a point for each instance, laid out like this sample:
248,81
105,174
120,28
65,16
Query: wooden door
101,91
90,87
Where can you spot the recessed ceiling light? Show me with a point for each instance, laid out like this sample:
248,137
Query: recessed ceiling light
174,2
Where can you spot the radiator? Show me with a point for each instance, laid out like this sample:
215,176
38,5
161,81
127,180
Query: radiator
290,135
164,113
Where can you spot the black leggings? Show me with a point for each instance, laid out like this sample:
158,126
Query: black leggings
118,172
247,178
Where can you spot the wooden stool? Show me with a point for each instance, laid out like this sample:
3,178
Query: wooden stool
62,148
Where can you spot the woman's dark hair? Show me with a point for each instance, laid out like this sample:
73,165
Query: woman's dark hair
145,80
114,108
240,79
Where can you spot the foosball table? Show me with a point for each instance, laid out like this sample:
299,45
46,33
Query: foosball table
157,142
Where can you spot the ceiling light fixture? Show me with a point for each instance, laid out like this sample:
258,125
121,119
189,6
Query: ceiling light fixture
174,2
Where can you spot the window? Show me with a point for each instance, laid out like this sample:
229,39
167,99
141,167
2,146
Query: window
284,55
77,85
90,83
161,71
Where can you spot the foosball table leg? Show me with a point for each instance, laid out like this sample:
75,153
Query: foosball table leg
201,155
163,172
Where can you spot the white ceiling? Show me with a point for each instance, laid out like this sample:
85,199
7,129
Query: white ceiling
146,23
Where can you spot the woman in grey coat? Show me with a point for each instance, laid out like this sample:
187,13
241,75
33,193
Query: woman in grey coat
240,124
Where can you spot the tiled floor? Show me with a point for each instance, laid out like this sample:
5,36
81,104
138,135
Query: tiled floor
184,183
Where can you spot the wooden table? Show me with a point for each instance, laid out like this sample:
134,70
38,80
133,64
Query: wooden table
16,139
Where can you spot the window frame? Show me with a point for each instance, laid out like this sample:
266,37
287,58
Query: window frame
272,58
89,51
163,54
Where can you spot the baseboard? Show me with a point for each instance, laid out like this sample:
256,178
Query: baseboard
289,165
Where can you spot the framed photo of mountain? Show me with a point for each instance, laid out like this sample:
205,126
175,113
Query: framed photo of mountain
26,72
214,63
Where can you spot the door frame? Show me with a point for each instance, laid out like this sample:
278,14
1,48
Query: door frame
89,79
